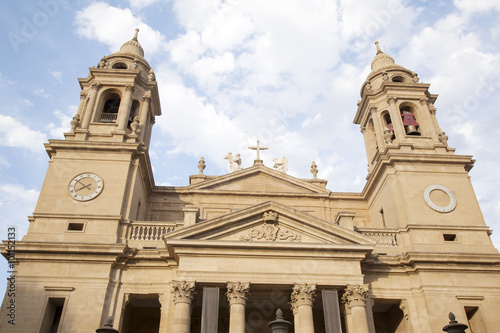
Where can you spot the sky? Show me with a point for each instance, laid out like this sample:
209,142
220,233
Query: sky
286,72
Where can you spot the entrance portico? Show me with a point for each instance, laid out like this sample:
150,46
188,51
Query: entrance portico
257,253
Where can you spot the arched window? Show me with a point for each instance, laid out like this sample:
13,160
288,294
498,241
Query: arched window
409,120
110,109
119,65
397,79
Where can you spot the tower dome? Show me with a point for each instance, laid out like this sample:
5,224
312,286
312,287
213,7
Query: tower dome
382,61
132,46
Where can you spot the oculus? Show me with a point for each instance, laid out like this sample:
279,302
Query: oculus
442,209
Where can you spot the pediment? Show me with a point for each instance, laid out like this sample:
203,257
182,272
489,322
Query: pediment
270,222
259,179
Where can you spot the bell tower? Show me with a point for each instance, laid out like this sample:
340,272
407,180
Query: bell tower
119,99
99,177
397,112
416,184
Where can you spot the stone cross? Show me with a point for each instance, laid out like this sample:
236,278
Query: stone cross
258,148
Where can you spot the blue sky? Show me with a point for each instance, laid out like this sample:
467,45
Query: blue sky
229,72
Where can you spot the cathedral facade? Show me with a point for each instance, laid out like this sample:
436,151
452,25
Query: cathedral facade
107,248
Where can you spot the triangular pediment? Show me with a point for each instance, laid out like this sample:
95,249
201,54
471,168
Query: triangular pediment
259,179
270,222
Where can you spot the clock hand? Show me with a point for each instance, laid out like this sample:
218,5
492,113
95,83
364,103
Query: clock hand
87,186
84,186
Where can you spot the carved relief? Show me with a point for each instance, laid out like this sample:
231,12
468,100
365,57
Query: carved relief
183,291
237,293
270,233
303,294
355,295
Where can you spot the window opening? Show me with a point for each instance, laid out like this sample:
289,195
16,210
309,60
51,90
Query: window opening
53,315
110,109
409,121
449,237
119,65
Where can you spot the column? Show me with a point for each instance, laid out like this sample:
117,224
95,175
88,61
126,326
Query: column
302,298
379,128
144,115
427,125
396,119
295,318
90,107
354,297
183,295
237,294
124,110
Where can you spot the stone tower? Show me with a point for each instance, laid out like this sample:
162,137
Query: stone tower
409,159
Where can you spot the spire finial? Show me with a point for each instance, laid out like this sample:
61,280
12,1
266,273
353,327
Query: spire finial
136,32
378,47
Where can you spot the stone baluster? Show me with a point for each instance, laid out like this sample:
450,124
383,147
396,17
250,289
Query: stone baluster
237,294
183,296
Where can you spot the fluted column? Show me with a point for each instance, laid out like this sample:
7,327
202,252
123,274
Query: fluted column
144,115
183,295
355,298
237,294
94,89
124,110
302,298
295,318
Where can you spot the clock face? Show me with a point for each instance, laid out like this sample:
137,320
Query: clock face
85,187
442,209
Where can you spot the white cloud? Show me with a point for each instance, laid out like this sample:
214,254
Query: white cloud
16,203
56,131
14,134
475,6
139,4
40,92
114,26
57,75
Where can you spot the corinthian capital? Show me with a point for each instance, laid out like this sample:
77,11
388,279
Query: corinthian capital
355,295
237,292
392,99
183,291
303,294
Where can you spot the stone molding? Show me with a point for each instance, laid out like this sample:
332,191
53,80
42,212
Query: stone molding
183,291
355,295
237,292
303,294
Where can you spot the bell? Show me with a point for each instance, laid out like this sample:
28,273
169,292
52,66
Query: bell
412,130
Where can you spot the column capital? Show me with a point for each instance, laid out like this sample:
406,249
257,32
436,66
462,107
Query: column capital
183,291
373,109
95,86
237,292
129,87
423,100
355,295
303,294
392,99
